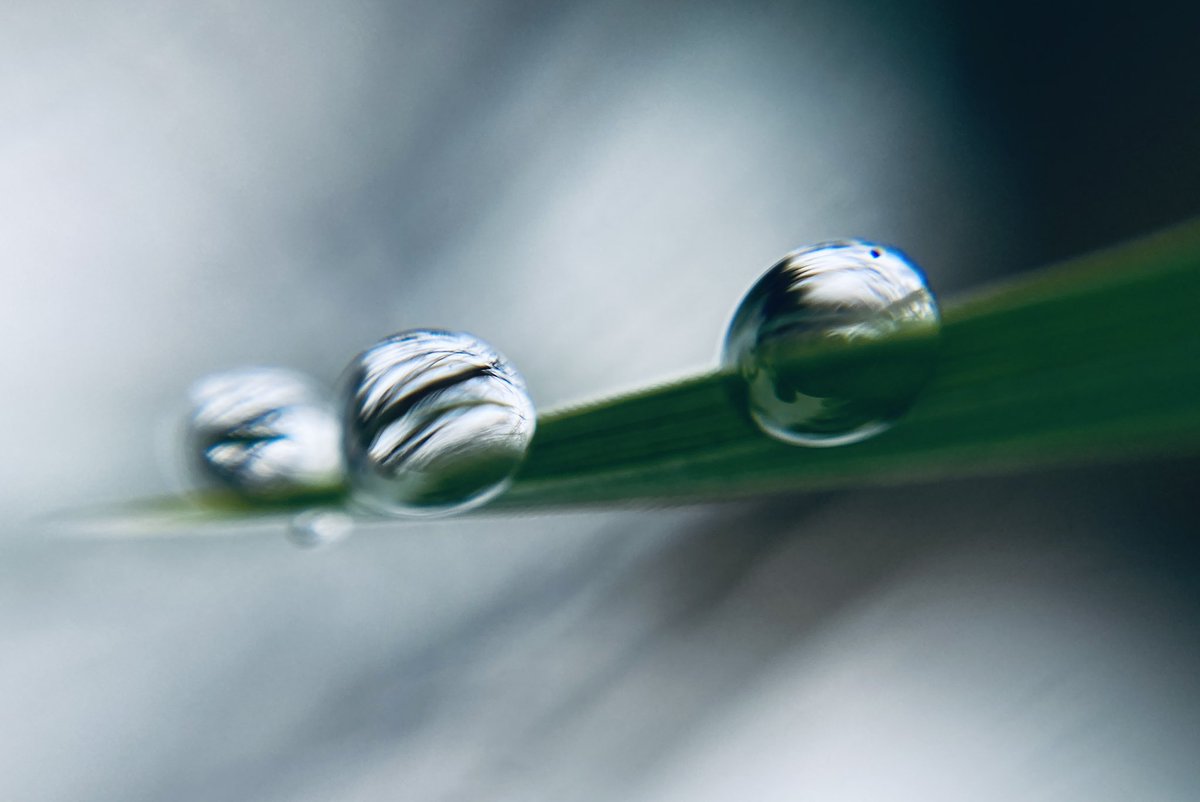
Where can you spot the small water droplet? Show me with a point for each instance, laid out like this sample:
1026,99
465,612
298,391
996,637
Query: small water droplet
263,433
834,343
313,529
435,422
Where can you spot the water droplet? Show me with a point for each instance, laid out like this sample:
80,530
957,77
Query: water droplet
834,343
263,433
435,422
313,529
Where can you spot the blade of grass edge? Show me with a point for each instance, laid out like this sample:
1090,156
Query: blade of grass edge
1095,359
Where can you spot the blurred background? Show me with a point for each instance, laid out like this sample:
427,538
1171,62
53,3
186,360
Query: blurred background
189,187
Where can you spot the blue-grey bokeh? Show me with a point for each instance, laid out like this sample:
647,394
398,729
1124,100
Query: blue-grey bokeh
190,187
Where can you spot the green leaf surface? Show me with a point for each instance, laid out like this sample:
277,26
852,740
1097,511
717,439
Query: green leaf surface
1095,359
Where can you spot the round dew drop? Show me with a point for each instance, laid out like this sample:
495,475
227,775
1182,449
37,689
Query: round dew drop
314,529
834,343
434,422
263,433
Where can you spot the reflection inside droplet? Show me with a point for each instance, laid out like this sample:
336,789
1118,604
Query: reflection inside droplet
263,433
435,422
834,343
313,529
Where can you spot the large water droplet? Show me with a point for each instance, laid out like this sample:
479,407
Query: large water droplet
264,433
314,529
435,422
834,342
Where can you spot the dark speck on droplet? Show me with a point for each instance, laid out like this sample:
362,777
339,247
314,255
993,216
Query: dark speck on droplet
874,253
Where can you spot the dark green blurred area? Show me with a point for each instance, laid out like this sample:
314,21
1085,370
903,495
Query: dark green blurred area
1095,106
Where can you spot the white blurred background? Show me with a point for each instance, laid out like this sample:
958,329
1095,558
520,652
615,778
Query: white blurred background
189,187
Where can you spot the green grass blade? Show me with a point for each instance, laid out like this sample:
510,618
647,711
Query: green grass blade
1096,359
